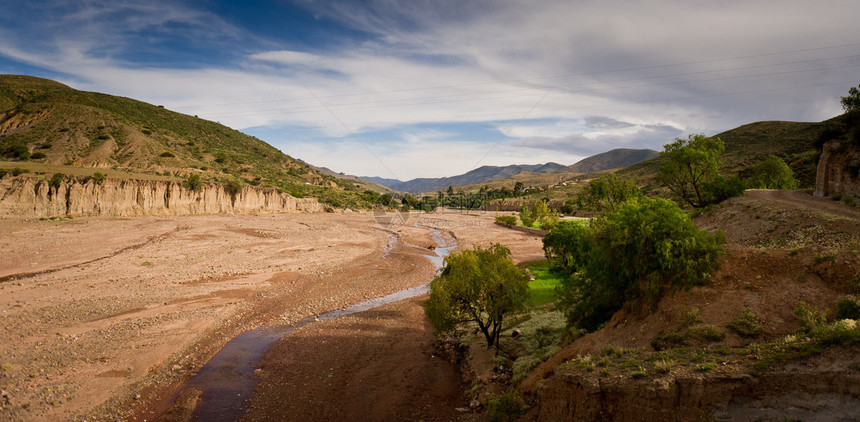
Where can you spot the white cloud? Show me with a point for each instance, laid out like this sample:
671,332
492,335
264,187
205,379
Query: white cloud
569,77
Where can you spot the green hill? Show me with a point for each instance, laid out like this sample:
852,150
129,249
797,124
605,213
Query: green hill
748,145
51,125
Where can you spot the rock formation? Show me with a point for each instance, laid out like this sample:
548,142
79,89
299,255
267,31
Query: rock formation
838,170
33,197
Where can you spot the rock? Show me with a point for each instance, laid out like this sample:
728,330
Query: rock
32,197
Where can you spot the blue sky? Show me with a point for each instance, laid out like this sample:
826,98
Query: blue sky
435,88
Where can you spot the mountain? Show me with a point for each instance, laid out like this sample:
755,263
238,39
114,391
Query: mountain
359,181
617,158
478,175
48,124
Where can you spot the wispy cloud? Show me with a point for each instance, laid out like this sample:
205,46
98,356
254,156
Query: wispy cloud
632,74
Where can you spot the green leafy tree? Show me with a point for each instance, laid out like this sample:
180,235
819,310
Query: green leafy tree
852,101
526,216
773,173
691,163
640,252
477,285
563,245
518,188
606,193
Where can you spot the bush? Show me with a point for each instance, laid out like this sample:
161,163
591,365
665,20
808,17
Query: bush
773,173
233,187
505,407
640,252
507,220
18,171
99,177
38,155
722,188
56,180
3,172
748,325
848,307
193,182
167,154
526,216
18,151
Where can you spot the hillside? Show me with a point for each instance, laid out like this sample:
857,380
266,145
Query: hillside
747,145
57,127
479,175
616,158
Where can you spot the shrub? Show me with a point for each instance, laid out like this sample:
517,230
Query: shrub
167,154
18,151
3,172
773,173
526,216
507,220
38,155
668,341
56,180
18,171
848,307
99,177
748,325
708,333
721,188
233,187
505,407
193,182
547,222
707,367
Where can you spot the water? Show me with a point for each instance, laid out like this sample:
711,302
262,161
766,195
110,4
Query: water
227,381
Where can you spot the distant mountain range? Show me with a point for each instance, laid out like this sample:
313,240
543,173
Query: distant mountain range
478,175
616,158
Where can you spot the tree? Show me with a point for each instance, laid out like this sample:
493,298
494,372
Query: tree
640,252
606,193
690,164
477,285
773,173
518,188
852,101
563,245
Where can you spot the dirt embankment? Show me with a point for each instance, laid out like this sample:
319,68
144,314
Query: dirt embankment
783,248
31,197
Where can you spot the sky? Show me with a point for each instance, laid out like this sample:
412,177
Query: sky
407,89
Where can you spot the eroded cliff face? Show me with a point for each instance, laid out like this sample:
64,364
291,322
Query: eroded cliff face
32,197
823,394
838,170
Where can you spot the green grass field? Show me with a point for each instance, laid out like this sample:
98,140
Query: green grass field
542,289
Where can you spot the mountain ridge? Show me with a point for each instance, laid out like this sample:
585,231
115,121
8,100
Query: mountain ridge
478,175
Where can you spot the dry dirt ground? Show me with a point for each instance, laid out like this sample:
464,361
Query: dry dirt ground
102,318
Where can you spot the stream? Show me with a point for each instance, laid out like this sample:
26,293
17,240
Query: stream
227,381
